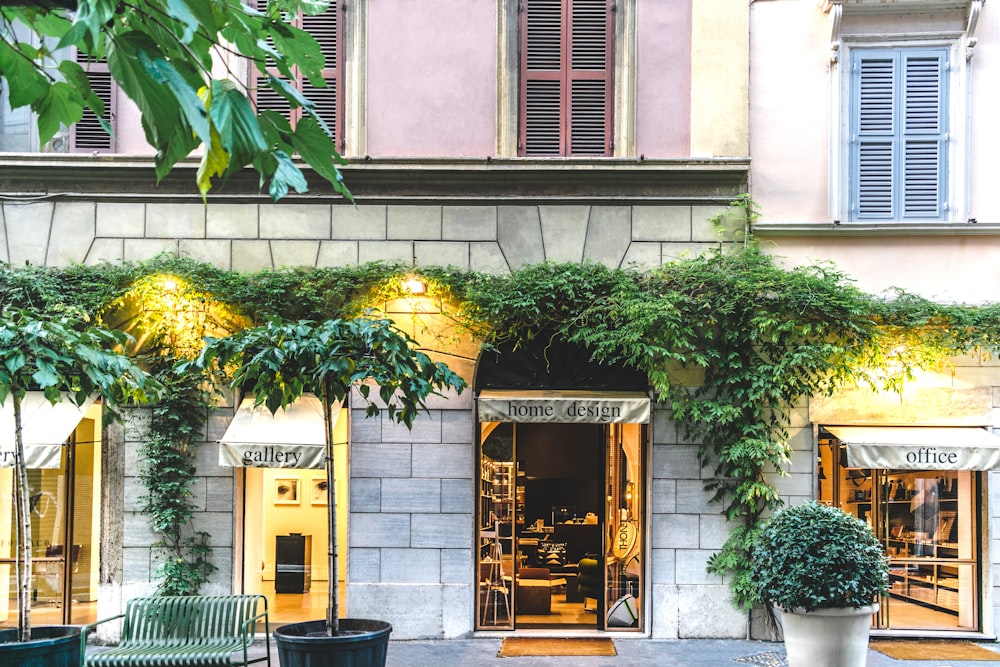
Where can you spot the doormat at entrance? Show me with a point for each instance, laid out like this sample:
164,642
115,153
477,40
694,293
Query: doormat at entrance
513,647
933,649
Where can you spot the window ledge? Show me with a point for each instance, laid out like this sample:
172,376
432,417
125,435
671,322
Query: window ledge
785,229
896,6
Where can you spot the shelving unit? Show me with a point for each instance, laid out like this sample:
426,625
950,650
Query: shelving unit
933,585
497,503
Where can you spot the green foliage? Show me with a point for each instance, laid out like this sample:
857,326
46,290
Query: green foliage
277,362
166,55
813,556
167,471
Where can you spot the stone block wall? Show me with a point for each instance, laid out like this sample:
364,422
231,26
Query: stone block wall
253,236
685,529
412,514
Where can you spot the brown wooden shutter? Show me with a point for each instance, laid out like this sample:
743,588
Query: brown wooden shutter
566,53
326,28
87,135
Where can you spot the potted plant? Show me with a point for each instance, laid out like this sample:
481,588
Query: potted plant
824,571
278,362
67,361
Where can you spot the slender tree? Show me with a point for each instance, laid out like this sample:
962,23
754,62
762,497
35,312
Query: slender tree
67,361
279,361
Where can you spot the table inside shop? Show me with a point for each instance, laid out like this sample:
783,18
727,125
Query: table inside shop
39,565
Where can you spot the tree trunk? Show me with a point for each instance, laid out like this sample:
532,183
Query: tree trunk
332,612
23,560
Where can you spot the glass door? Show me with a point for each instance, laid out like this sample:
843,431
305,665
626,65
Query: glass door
498,490
560,532
624,540
926,521
65,533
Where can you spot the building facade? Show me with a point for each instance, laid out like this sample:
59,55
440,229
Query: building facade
870,151
542,131
494,134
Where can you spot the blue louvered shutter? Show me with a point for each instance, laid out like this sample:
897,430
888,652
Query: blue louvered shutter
566,84
898,154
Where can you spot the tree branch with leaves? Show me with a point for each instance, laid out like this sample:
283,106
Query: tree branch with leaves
164,54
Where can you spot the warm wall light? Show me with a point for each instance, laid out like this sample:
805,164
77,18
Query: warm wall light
169,284
414,286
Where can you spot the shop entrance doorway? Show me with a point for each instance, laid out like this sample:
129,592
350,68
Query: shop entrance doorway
282,487
561,478
65,500
285,542
926,521
561,523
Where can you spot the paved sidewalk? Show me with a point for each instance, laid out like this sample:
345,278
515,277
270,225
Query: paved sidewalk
631,653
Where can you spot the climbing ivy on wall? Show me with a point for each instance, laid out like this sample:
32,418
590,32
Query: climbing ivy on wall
730,342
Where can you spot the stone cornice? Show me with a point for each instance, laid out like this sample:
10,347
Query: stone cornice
129,178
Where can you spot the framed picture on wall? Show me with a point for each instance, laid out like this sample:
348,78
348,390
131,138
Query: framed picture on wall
286,491
318,496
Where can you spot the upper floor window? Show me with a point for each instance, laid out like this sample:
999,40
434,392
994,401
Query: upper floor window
90,134
18,127
327,30
898,115
566,63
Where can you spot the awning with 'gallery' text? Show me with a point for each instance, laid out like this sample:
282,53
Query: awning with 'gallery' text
582,407
919,448
292,437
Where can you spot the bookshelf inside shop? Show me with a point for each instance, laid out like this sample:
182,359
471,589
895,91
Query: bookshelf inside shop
497,501
497,519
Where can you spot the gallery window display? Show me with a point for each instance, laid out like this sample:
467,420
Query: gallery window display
926,520
283,490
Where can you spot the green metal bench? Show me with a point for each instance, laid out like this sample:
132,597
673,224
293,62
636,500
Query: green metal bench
184,630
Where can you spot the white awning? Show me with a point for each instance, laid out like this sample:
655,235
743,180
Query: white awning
292,437
581,407
45,427
919,448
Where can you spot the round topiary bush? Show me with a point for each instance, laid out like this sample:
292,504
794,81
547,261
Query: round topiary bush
814,556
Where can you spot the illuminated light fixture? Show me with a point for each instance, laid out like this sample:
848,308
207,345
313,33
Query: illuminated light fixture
169,284
414,286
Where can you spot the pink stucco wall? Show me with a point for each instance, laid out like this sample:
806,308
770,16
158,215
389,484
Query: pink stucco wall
432,82
663,79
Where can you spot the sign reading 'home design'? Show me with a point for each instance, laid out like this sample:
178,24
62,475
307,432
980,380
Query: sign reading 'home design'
582,407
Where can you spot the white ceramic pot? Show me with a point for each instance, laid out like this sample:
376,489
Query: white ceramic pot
827,637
